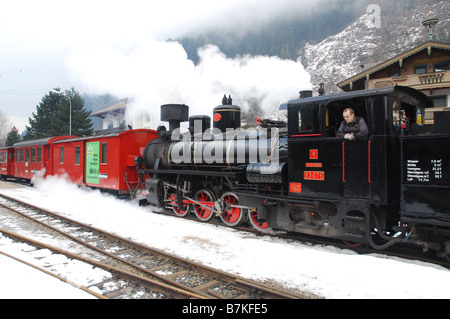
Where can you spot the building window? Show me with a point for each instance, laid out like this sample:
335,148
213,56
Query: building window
394,73
77,155
420,69
104,153
439,101
441,67
61,155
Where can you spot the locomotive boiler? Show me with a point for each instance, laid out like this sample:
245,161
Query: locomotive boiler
299,176
211,160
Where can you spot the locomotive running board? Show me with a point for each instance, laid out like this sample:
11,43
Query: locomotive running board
189,172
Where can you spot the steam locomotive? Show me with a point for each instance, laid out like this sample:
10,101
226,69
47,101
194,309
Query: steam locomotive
391,187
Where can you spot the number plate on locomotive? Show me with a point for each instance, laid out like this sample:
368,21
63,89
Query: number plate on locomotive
295,187
314,176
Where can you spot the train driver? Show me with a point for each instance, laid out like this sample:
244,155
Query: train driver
352,127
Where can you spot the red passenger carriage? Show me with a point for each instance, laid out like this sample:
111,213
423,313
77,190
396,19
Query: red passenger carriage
103,161
34,157
6,162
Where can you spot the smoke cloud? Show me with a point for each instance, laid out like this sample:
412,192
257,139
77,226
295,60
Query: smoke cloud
156,73
120,48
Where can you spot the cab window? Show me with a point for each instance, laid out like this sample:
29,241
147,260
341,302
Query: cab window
333,115
306,119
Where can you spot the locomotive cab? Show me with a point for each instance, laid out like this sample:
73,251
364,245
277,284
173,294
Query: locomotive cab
335,184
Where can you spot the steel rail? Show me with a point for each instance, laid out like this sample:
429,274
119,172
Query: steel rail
250,287
146,282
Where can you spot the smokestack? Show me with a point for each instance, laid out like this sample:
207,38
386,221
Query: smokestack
174,114
305,94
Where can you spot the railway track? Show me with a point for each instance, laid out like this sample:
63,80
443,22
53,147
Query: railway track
399,250
139,267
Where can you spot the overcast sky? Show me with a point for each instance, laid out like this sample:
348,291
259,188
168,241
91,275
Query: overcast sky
117,47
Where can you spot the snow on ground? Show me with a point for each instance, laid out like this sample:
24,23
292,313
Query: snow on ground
28,283
325,271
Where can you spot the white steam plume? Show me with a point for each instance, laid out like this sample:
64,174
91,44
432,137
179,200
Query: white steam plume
155,73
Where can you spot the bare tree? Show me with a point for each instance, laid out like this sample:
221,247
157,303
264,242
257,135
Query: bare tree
5,127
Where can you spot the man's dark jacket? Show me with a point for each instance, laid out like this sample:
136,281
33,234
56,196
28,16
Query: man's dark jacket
358,127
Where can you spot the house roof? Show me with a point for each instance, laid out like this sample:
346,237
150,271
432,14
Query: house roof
110,109
428,45
403,93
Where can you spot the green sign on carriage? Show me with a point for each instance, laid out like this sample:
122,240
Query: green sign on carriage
92,162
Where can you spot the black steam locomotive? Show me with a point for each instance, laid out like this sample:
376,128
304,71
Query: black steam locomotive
390,187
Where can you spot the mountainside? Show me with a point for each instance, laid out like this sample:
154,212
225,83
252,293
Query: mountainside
282,36
362,42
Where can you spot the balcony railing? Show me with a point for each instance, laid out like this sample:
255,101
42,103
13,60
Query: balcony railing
419,81
431,78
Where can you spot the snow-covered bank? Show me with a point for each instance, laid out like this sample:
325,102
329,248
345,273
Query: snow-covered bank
326,271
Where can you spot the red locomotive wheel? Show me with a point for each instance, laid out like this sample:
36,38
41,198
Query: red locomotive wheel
232,216
256,223
206,198
178,212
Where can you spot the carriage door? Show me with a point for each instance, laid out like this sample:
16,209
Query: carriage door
354,156
355,168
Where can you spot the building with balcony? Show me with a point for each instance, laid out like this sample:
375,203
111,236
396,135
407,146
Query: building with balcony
425,67
114,118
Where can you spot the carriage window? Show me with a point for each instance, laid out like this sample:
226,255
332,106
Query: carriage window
27,155
17,155
306,119
21,154
104,152
3,157
77,155
33,155
61,155
39,154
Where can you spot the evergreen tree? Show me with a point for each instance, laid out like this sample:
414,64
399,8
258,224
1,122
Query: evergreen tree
52,117
13,137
